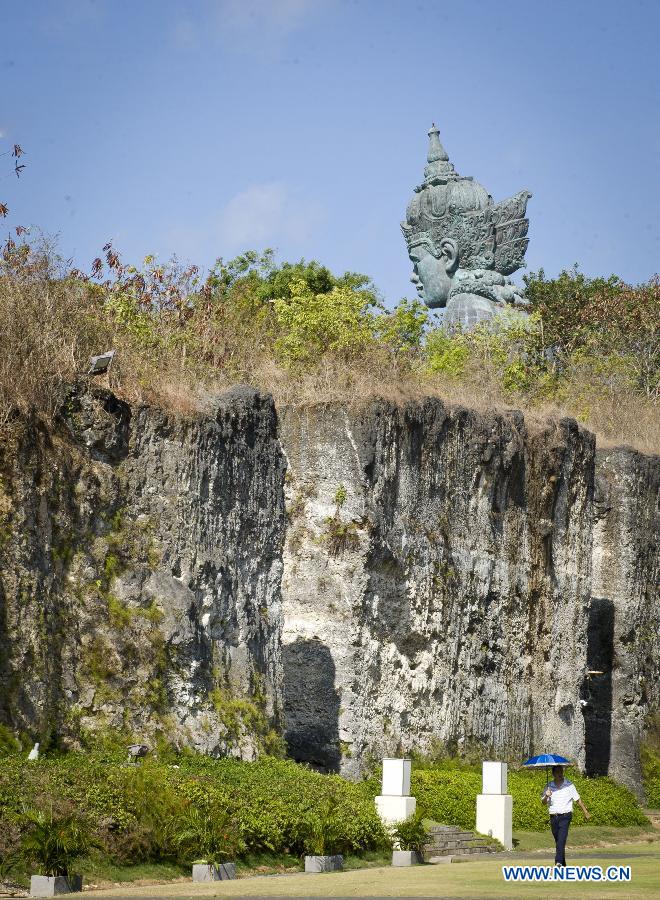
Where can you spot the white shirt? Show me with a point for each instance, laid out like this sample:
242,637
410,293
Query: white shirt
562,797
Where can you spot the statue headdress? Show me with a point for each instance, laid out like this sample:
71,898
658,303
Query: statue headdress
489,235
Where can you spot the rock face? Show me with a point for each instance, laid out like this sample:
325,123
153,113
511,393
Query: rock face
141,566
455,610
364,581
624,626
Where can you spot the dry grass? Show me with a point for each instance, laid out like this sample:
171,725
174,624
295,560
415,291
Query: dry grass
44,341
625,419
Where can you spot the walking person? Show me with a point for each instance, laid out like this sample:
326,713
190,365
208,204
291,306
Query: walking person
559,796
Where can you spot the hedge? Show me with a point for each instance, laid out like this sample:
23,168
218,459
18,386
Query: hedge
651,771
135,811
447,793
277,806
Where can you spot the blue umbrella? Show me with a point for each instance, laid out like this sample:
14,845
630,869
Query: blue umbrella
546,760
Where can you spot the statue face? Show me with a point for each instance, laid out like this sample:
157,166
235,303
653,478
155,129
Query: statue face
431,276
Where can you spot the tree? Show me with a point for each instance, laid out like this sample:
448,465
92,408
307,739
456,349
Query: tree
340,321
403,328
612,327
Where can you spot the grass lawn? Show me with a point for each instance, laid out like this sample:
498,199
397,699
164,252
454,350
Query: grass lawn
585,836
99,873
471,879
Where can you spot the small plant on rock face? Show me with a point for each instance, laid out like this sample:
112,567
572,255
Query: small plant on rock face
340,496
53,842
410,834
340,536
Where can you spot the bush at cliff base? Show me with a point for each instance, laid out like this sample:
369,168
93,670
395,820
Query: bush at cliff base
137,813
651,772
447,793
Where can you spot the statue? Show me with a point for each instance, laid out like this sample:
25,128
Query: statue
462,244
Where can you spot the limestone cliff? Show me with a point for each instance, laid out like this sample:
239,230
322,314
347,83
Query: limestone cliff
458,612
364,581
624,621
141,568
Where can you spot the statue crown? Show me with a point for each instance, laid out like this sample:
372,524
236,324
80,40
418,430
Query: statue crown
448,205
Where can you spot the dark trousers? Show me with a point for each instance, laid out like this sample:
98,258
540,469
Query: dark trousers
559,825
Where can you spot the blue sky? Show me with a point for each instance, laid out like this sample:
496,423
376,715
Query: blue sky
205,128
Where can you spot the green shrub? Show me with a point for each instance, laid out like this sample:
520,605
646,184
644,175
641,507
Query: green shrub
10,846
209,833
411,834
147,813
138,814
310,324
8,742
445,355
321,830
651,773
447,793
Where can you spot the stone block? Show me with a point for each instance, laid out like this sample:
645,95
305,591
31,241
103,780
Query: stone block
52,885
222,872
314,864
395,809
494,778
406,858
396,777
494,817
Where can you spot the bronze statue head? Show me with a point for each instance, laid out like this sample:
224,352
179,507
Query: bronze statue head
460,242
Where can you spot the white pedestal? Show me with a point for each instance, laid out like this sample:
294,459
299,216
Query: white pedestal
395,809
494,815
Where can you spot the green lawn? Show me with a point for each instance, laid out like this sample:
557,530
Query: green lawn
98,872
584,836
161,879
471,879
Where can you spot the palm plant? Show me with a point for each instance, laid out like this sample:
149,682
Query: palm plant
7,862
322,835
53,843
211,835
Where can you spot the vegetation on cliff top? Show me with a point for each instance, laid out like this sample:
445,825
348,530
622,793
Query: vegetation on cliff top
590,348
